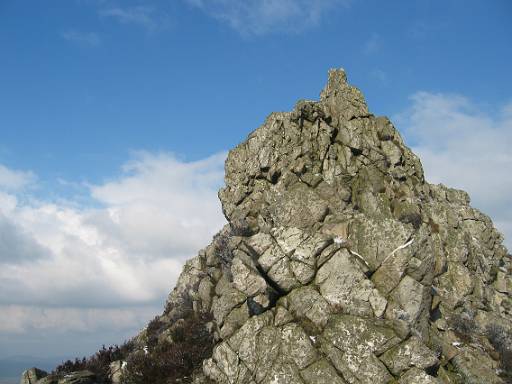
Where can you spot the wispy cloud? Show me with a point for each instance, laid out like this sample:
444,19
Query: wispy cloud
464,147
373,44
59,261
83,38
422,29
380,75
259,17
144,16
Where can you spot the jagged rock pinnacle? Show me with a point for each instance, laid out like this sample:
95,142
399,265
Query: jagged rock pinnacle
344,99
341,264
318,161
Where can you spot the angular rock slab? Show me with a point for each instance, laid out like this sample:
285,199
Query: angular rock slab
352,344
410,353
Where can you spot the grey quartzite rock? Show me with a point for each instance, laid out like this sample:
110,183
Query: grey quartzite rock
341,264
32,375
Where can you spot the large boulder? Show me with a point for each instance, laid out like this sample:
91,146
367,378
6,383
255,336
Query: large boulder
32,375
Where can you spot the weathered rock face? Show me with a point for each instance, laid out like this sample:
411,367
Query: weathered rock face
32,375
341,264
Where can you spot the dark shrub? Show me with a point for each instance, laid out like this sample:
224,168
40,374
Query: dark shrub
173,362
501,341
99,363
434,227
240,227
412,218
222,249
153,329
464,326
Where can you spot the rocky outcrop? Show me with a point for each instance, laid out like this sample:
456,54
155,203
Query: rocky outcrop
116,371
341,264
37,376
32,375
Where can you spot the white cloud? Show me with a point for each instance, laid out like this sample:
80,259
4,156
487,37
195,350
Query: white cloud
61,262
464,147
143,16
258,17
13,179
83,38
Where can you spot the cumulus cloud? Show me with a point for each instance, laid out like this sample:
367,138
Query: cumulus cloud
82,38
258,17
13,179
81,267
465,147
17,246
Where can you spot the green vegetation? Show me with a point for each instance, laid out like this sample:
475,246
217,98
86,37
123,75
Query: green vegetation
175,360
99,363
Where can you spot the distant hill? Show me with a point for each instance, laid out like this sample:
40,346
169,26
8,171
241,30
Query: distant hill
10,380
12,367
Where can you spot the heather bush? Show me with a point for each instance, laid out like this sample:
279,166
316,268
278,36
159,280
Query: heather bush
240,227
153,329
501,341
173,361
222,249
412,218
99,363
464,326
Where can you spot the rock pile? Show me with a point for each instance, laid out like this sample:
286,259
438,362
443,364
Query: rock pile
341,264
34,375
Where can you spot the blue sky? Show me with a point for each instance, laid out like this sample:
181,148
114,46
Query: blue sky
115,117
81,87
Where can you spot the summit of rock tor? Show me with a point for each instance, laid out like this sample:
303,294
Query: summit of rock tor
339,264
